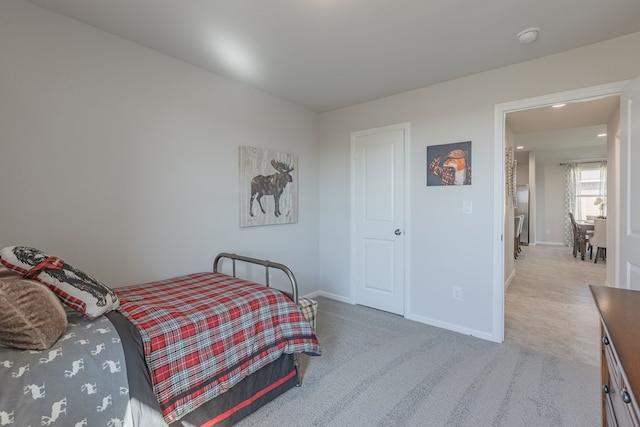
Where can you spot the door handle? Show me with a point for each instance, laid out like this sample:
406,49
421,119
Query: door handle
397,232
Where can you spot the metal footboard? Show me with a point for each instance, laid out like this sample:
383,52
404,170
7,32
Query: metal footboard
267,265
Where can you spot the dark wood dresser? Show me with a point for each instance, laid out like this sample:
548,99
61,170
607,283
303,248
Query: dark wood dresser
620,320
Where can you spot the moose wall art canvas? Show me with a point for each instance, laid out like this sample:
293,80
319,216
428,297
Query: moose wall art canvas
268,187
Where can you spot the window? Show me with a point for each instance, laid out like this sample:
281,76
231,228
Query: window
586,189
590,194
585,193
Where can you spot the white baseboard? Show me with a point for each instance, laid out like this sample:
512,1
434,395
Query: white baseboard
452,327
311,295
552,243
334,297
420,319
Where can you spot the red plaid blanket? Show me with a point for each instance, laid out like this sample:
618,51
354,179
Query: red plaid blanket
203,333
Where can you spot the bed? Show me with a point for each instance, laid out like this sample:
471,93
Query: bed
204,349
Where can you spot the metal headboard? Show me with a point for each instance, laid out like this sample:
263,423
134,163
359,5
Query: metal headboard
267,265
263,262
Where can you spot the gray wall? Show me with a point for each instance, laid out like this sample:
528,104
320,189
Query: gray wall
124,161
448,248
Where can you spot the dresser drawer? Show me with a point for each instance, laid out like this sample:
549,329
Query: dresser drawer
627,406
620,344
620,413
618,406
613,365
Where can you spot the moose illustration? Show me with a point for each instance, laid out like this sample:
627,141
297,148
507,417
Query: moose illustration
270,185
59,270
58,408
6,418
106,402
76,366
37,391
89,388
113,366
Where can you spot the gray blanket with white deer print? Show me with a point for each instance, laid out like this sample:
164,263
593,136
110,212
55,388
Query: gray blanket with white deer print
80,381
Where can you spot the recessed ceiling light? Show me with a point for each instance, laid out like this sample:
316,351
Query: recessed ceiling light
558,105
602,135
519,147
528,35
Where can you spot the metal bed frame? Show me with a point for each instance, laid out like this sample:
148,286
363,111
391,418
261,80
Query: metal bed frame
267,265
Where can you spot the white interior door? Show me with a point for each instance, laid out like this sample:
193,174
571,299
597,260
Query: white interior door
629,250
378,217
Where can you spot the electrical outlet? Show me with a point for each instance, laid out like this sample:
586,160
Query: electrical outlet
457,293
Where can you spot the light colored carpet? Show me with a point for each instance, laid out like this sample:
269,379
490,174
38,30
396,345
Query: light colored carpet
378,369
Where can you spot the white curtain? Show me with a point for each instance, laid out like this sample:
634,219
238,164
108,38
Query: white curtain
572,191
603,186
572,186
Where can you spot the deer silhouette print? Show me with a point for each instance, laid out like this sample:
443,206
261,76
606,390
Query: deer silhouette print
57,409
270,185
6,418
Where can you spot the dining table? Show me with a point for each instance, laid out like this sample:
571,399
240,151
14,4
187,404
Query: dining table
584,225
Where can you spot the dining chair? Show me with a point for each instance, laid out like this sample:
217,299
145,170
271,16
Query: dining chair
576,234
599,239
520,228
581,240
517,229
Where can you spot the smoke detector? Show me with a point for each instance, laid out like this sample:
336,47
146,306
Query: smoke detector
528,35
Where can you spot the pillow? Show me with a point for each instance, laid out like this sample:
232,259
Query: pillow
31,315
75,288
5,272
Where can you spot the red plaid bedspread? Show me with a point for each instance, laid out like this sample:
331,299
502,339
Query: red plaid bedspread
203,333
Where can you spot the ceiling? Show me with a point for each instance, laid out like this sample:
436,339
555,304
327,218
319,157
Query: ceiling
572,125
327,54
570,115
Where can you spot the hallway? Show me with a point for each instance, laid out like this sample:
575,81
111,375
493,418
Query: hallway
549,307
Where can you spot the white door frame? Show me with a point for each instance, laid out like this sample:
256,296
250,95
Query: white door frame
406,127
501,110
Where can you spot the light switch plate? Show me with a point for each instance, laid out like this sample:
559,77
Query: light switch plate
467,207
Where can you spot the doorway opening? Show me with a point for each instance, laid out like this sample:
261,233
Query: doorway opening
504,223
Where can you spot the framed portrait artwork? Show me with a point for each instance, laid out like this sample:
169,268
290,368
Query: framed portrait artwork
449,164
